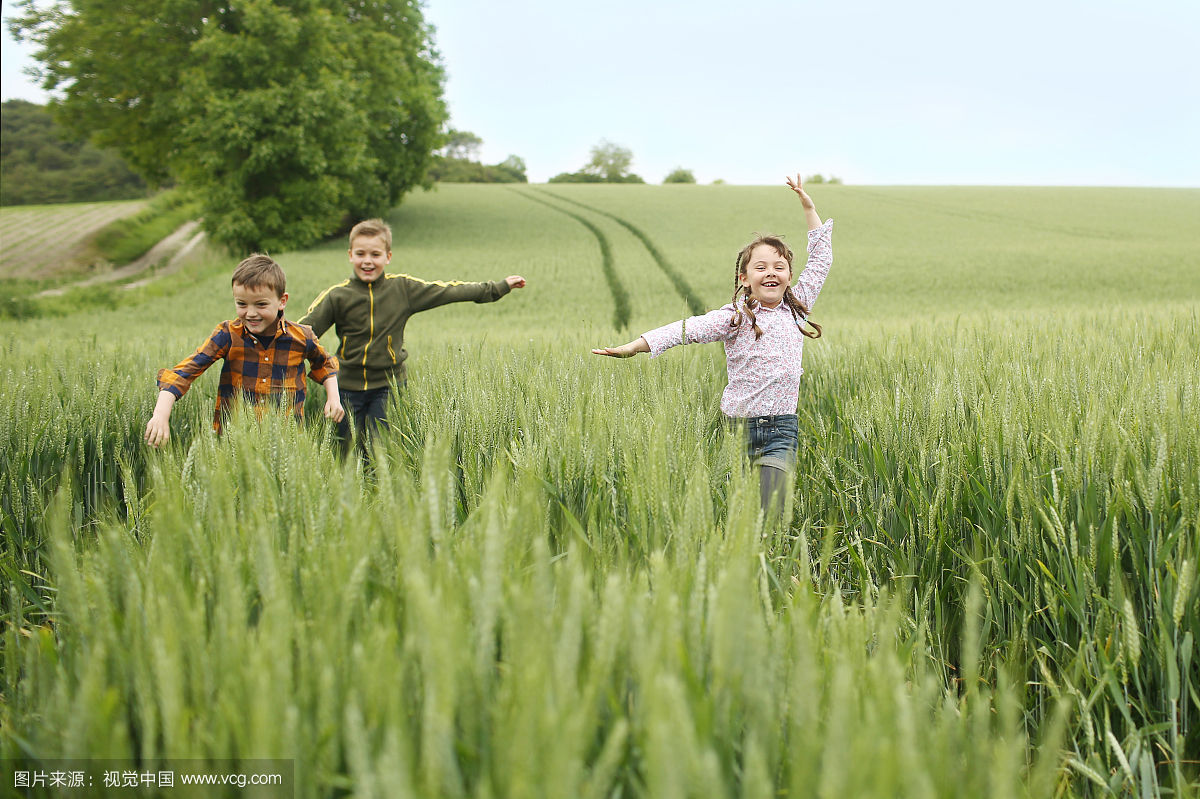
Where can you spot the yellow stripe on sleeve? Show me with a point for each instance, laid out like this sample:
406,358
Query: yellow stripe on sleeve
443,283
323,294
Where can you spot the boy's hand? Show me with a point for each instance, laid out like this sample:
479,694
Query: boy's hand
515,282
798,187
334,409
158,431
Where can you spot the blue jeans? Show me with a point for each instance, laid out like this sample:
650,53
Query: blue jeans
772,440
368,410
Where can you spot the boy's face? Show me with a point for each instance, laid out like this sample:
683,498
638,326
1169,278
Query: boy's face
258,307
369,255
767,275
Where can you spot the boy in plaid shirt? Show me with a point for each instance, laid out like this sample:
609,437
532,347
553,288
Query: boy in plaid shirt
264,354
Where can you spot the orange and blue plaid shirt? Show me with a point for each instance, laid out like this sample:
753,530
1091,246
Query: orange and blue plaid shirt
251,370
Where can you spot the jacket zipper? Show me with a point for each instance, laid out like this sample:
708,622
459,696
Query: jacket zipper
371,337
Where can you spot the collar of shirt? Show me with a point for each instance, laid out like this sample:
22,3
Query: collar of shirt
740,304
759,308
280,330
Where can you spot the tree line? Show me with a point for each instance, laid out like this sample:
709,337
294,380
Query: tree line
457,162
42,163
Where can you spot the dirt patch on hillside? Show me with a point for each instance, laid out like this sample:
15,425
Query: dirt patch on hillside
168,254
47,241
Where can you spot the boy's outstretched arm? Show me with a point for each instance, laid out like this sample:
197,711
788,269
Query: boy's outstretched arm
424,295
625,350
810,208
158,429
333,400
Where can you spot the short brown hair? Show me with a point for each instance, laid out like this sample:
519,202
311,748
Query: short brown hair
259,271
372,227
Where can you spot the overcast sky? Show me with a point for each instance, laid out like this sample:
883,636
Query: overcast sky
1056,92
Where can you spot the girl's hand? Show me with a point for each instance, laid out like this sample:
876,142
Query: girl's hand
615,352
625,350
515,282
798,187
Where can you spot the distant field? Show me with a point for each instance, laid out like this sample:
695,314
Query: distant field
554,580
38,241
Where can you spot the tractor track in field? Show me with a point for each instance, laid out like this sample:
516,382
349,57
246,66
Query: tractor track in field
26,231
28,235
168,253
689,295
620,295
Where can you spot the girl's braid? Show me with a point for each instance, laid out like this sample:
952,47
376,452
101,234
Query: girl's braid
800,312
739,264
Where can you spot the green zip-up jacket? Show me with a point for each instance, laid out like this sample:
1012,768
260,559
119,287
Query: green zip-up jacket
370,320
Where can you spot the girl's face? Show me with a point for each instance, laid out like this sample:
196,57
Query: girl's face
767,275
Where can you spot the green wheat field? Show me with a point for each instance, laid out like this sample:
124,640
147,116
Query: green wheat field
554,581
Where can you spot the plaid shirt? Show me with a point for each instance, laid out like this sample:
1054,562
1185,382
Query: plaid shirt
252,370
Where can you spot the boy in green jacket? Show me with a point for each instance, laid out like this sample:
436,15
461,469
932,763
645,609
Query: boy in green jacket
370,310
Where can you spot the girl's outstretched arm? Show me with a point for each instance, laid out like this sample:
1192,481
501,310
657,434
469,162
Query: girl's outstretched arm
810,208
625,350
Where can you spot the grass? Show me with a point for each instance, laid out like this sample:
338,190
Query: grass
554,581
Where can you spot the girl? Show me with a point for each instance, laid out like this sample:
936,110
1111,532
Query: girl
763,330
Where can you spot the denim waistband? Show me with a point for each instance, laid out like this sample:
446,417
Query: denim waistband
764,421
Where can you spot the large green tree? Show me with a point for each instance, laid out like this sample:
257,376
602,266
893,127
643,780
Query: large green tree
284,117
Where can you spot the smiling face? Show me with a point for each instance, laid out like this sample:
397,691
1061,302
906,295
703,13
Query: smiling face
258,307
369,255
767,275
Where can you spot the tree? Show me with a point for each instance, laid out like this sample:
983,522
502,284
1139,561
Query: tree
462,144
680,175
576,177
456,163
515,166
610,163
283,117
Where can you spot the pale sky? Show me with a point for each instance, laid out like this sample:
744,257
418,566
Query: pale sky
1055,92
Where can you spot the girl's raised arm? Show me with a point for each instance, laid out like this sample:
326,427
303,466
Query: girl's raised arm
810,208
